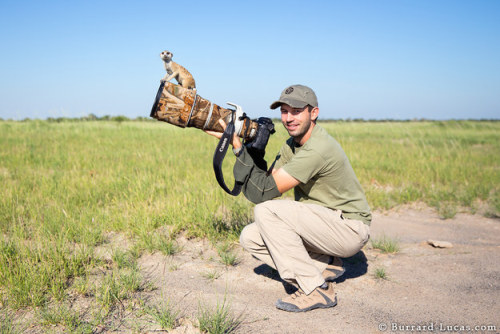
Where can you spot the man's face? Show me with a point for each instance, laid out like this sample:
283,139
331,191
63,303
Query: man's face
297,121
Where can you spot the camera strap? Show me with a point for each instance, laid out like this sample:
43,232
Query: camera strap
220,153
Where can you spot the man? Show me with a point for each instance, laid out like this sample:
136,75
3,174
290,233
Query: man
329,219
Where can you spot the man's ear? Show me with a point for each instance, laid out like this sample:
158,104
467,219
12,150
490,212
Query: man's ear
314,113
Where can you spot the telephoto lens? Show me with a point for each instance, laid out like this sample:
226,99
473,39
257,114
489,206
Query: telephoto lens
184,108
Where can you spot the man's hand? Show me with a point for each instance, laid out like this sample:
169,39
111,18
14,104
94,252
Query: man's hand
236,142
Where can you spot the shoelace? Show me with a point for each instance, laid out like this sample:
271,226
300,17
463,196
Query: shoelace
297,294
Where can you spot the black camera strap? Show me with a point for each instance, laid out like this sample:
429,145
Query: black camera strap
220,153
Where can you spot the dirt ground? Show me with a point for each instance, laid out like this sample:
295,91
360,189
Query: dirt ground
446,289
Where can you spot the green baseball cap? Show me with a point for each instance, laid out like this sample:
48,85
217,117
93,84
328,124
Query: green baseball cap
296,96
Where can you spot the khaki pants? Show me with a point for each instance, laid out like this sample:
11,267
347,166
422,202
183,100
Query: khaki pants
297,239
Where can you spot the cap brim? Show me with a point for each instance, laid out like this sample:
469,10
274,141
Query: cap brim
291,102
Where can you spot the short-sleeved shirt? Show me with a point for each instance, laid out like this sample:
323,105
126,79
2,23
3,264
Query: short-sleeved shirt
325,174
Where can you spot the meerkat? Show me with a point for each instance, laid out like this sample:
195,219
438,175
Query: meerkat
174,70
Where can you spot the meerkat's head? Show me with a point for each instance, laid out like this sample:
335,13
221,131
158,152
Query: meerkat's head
166,55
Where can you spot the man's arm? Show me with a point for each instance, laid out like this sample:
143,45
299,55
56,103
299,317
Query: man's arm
284,181
258,185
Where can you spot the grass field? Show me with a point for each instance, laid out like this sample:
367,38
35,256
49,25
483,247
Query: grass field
64,186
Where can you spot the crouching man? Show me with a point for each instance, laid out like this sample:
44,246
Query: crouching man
303,239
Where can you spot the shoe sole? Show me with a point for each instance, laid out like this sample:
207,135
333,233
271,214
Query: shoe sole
290,307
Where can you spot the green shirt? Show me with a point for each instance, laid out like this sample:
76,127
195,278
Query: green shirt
325,174
324,171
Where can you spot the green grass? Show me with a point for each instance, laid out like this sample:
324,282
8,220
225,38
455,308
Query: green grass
34,271
385,244
7,323
81,286
219,319
454,162
123,259
211,275
165,314
66,185
227,256
380,273
153,241
109,291
60,315
116,287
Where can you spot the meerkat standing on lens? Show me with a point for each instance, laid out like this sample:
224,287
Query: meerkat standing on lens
174,70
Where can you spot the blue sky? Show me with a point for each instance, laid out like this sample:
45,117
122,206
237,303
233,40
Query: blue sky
379,59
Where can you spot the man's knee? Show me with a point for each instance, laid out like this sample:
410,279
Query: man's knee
261,211
249,237
244,238
270,213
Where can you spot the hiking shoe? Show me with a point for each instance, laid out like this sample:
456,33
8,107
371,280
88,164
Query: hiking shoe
300,302
334,269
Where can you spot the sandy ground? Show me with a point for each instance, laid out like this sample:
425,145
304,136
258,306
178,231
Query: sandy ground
446,289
